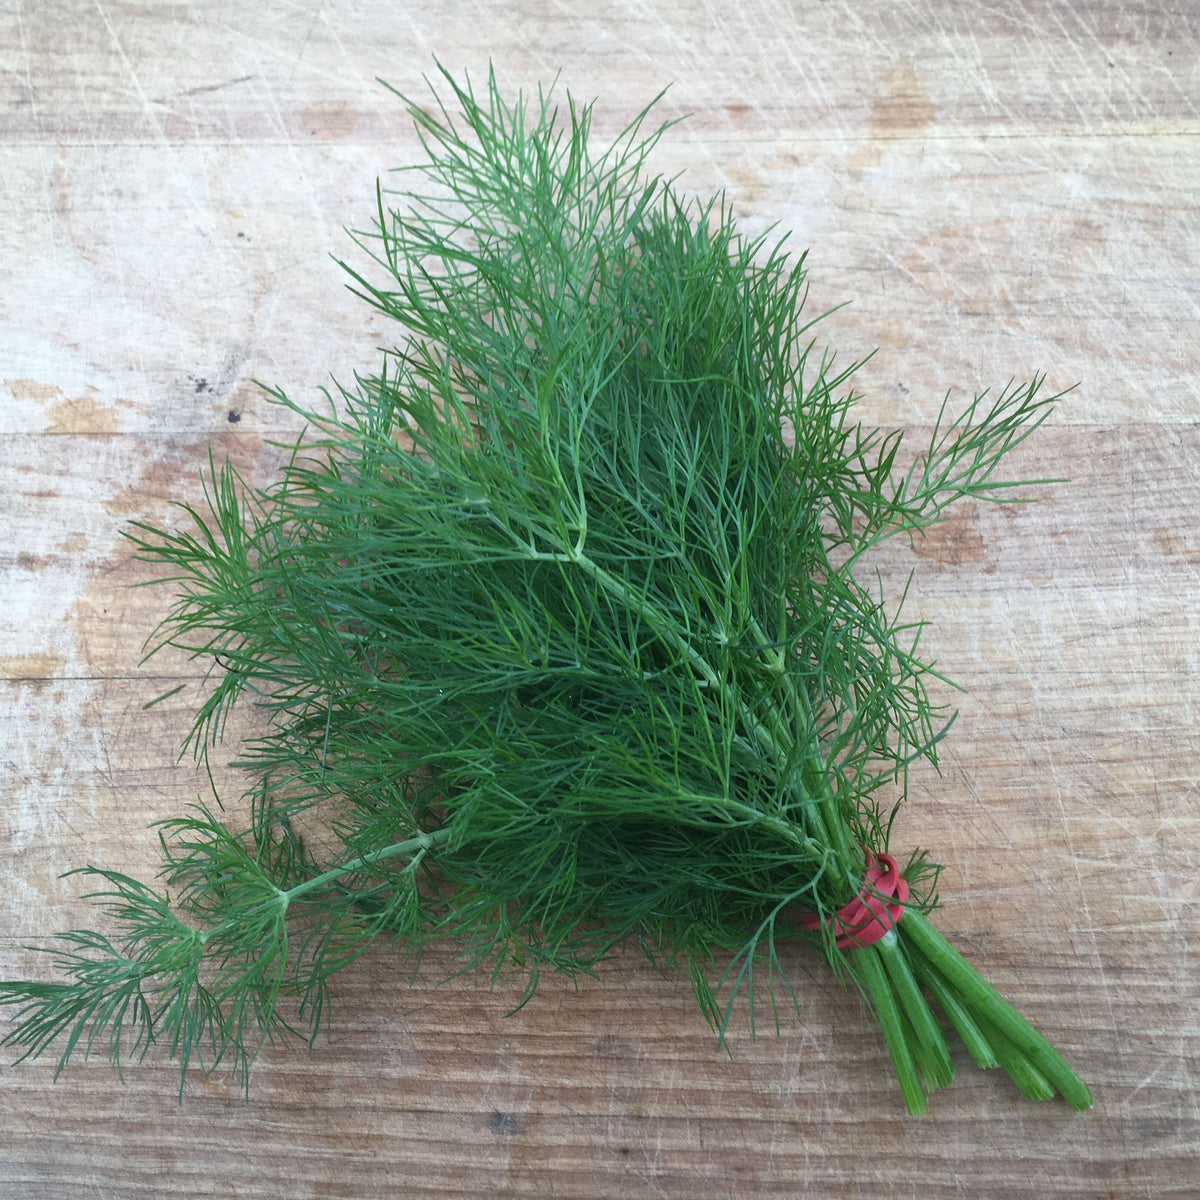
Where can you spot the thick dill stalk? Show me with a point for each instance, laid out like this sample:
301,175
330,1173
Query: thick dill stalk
555,620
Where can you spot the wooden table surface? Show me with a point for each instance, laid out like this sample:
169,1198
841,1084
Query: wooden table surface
996,189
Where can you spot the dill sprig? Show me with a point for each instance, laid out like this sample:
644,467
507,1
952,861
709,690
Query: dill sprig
556,624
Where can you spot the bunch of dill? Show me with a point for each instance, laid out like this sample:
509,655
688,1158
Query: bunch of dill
556,619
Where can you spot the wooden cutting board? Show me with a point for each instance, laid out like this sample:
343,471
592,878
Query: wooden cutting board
998,189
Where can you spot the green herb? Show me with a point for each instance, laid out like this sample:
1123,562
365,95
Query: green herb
556,620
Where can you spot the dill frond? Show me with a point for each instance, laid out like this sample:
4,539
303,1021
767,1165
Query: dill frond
555,616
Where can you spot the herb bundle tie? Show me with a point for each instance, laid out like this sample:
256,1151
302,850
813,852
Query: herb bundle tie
872,913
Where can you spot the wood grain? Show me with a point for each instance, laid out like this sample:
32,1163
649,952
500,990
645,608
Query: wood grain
997,189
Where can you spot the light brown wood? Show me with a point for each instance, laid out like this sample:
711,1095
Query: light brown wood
998,189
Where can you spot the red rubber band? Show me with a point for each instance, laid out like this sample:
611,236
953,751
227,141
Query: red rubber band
872,913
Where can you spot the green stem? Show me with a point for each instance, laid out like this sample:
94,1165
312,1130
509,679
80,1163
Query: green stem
821,812
930,1039
413,847
964,1024
928,1069
410,847
891,1022
1031,1083
828,832
813,775
985,1002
